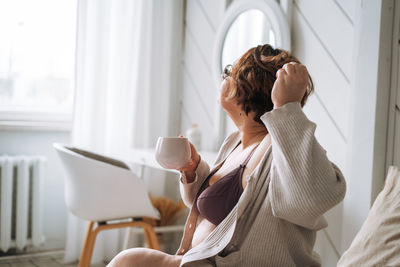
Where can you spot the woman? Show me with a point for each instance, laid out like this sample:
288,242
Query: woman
263,202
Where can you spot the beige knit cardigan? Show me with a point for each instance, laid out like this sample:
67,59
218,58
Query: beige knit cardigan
281,209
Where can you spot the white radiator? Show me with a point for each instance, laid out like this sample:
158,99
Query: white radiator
21,180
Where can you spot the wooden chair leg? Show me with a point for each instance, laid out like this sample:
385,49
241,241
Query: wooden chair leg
147,239
84,261
127,238
151,237
92,241
91,234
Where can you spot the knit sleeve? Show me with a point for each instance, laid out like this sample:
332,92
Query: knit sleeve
304,183
189,190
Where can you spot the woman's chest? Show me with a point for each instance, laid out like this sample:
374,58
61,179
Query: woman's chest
231,166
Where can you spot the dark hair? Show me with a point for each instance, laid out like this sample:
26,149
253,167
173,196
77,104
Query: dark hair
254,76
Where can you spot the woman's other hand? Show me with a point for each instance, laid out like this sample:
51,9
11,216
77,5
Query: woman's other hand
190,168
290,85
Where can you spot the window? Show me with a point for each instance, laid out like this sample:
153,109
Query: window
37,57
249,29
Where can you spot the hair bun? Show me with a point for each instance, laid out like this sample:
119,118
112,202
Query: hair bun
263,58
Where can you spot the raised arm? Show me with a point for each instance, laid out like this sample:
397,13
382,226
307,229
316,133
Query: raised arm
304,183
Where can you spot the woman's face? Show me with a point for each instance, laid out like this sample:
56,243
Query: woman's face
227,102
224,92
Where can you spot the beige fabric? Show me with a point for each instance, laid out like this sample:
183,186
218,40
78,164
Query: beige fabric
282,206
378,241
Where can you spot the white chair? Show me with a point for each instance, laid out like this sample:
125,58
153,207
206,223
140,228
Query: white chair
101,189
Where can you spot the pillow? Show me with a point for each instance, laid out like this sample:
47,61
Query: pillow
378,241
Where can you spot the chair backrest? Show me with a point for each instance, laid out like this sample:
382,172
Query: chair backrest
99,188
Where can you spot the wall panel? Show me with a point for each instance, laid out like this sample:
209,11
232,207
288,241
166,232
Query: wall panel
324,249
322,38
200,73
349,8
331,86
211,11
196,110
331,27
200,94
326,133
199,27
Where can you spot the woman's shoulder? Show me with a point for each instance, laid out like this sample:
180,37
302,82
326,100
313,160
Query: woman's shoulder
235,135
230,142
231,139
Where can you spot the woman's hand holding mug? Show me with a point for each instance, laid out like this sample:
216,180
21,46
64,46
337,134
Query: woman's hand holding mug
190,168
178,153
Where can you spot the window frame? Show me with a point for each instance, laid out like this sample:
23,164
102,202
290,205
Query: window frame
42,120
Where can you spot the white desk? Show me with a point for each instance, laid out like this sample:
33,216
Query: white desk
146,158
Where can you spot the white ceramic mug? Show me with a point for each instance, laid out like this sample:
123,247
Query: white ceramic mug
173,152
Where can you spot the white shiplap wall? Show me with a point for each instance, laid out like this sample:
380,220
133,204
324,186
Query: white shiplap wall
322,38
199,100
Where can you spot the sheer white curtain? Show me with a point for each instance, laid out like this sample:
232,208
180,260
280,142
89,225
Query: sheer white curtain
114,88
113,36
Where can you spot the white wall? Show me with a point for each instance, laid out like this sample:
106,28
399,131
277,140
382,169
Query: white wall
367,161
13,142
199,98
322,38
